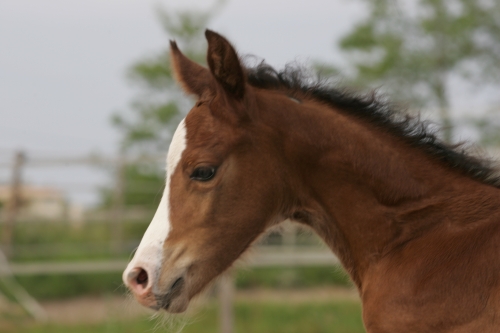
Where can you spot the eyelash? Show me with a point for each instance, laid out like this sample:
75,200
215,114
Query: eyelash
203,174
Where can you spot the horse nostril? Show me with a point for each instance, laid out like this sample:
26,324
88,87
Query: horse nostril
142,278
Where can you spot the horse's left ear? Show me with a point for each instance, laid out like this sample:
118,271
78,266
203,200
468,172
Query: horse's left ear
193,78
225,65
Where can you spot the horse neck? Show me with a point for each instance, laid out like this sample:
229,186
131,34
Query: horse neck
363,190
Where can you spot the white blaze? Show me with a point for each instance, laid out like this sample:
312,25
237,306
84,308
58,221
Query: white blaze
149,252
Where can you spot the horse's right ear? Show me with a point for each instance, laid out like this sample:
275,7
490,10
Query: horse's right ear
193,78
225,65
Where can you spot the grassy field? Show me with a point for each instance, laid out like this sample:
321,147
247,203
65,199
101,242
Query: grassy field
342,316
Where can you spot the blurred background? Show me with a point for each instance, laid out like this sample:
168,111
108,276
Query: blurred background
88,106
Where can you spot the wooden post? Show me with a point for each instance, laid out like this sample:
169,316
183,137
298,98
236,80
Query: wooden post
13,204
289,236
118,203
24,299
226,298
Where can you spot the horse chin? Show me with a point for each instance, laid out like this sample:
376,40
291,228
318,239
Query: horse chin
177,305
176,300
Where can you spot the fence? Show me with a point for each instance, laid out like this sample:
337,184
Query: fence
118,214
24,202
20,200
114,221
261,257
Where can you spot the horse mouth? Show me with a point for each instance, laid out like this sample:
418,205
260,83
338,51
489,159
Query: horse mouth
165,300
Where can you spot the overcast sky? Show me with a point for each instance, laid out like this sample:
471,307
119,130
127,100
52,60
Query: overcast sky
63,63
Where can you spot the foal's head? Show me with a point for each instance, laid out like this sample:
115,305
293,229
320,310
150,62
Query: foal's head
222,188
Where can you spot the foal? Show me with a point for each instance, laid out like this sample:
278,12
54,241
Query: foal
414,222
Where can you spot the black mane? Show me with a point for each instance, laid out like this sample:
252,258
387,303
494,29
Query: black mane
379,112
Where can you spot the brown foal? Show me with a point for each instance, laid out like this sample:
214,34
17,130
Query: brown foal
413,221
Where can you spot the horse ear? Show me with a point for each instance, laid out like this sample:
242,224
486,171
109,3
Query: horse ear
193,78
225,65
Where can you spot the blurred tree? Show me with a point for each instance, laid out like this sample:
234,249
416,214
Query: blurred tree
147,126
143,187
159,105
489,127
415,47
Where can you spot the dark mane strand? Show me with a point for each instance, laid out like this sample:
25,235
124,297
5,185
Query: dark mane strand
379,112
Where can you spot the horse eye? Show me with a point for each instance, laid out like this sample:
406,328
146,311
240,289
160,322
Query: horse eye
203,174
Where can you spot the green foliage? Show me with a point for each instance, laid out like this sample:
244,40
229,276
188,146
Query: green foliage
60,241
490,128
59,286
292,277
415,47
143,186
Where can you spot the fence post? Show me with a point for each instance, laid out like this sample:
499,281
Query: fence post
118,203
226,298
13,204
24,299
289,236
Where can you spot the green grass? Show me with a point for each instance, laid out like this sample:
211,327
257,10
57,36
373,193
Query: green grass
136,326
309,317
254,317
